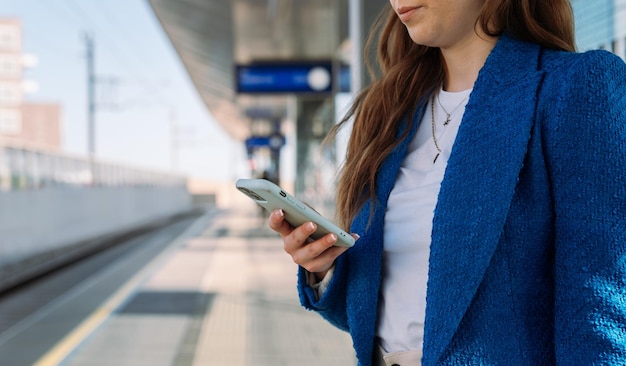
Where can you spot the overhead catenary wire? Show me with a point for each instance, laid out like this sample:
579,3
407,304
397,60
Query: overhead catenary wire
114,46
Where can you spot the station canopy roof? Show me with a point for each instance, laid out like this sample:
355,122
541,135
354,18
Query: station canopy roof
213,36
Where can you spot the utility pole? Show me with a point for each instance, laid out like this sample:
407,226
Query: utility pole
91,103
356,42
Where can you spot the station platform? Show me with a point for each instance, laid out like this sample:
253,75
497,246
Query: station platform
222,293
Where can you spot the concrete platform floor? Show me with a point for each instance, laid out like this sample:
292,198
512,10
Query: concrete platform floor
223,293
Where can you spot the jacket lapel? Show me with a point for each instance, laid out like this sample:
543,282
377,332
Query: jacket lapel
478,186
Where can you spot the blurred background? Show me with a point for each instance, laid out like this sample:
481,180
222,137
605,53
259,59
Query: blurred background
123,127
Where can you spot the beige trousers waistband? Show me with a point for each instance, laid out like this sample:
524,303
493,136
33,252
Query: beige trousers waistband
404,358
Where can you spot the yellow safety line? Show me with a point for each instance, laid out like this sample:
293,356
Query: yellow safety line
62,349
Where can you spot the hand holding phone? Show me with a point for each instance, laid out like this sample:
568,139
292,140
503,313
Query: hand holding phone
272,197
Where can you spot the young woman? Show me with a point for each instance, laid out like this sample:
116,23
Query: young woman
488,161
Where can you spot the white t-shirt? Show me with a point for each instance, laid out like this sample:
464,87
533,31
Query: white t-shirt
408,226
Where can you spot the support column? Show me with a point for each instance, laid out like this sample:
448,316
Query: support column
620,47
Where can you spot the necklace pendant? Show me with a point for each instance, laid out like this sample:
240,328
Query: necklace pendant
445,123
435,160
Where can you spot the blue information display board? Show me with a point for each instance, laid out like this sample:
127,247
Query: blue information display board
285,77
274,141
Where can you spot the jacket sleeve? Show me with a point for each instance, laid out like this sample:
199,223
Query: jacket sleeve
586,157
332,305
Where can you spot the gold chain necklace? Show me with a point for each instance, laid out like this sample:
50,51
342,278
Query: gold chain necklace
432,112
445,123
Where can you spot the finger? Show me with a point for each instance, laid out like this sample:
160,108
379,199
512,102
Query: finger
313,251
324,260
277,223
299,236
314,248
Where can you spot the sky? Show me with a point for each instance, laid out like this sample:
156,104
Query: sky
142,87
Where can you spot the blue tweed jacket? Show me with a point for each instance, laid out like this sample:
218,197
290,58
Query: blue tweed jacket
528,253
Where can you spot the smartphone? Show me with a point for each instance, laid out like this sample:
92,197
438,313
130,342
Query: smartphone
272,197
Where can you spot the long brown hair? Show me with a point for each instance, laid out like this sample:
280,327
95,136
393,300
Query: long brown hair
406,73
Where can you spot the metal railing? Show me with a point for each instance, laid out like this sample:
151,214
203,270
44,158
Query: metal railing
23,167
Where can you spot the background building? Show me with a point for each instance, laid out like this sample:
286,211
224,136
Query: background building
36,125
601,24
